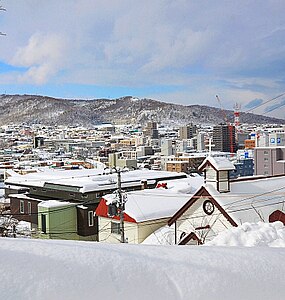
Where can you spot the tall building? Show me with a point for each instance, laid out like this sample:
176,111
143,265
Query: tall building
187,132
167,147
224,138
151,130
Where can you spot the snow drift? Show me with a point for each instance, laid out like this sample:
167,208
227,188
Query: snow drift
39,269
252,234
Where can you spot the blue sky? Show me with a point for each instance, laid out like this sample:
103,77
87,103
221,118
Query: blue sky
180,51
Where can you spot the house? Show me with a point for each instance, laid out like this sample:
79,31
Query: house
79,192
145,210
67,220
222,203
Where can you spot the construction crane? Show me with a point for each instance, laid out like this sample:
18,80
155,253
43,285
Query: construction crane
230,127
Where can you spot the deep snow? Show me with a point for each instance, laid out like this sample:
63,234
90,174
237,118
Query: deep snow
46,269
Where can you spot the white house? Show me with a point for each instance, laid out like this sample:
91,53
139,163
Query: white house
221,203
145,210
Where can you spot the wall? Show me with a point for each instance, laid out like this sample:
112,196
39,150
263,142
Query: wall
105,235
61,222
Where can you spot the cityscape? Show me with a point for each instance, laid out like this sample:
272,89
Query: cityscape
142,150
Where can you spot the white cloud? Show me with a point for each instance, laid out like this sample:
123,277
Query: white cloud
201,47
42,56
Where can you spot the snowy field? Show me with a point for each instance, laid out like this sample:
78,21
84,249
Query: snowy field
39,269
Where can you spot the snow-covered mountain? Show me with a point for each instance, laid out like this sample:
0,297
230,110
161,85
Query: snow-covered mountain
47,110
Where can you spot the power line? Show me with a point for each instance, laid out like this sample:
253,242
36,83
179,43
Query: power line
263,103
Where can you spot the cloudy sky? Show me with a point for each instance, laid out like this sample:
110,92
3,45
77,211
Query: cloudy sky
180,51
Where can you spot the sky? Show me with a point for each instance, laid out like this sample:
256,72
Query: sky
178,51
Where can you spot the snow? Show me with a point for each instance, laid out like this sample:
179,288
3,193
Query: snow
187,185
153,204
163,236
245,235
251,200
252,234
87,180
219,163
54,203
46,269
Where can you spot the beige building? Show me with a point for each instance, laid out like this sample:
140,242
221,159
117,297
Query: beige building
177,166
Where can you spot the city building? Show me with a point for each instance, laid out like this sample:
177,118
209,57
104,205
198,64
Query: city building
187,132
224,138
269,161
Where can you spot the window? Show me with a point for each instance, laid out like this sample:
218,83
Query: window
44,223
266,166
71,194
265,152
29,208
115,227
265,158
22,210
90,218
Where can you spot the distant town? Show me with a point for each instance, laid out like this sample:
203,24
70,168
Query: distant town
123,183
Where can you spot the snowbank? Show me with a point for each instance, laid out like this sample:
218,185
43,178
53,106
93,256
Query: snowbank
42,269
162,236
252,234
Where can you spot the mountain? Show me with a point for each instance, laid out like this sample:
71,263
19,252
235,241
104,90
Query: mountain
29,109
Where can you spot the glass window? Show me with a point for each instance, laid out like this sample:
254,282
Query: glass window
115,227
90,218
22,210
29,208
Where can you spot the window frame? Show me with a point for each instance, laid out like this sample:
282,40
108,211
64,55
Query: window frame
90,215
29,208
22,206
115,227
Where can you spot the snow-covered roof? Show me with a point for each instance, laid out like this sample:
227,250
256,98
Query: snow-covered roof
146,205
187,185
251,200
88,180
54,203
24,196
220,163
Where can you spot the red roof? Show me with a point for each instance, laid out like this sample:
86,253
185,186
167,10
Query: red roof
102,211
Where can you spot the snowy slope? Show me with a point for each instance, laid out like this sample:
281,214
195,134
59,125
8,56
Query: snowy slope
38,269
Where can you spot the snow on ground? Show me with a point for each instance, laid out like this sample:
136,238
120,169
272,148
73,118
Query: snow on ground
162,236
248,234
252,234
45,269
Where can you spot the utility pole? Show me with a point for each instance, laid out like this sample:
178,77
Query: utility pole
121,206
